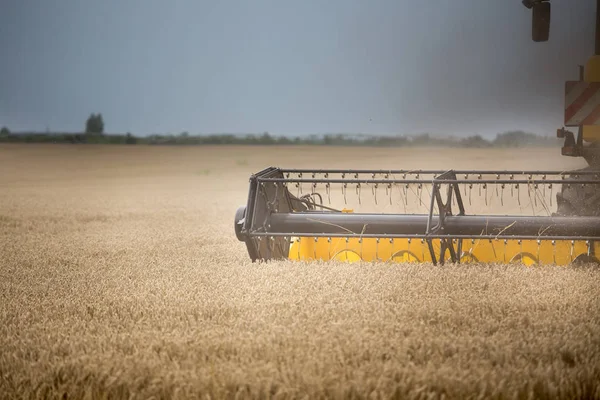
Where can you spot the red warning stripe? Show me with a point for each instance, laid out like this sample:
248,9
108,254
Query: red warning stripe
593,117
580,102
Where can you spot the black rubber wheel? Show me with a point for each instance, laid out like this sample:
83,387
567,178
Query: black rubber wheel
578,200
240,214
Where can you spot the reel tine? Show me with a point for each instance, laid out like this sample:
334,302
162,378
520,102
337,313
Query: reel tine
512,194
360,241
346,252
486,193
589,248
572,249
544,186
496,186
470,191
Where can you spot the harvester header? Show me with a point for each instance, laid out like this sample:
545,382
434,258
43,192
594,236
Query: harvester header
418,216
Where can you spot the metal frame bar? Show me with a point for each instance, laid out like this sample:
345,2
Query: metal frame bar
342,224
435,171
424,236
429,181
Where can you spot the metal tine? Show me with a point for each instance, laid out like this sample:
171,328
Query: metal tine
470,192
550,187
374,190
479,186
360,241
502,194
346,252
518,193
358,192
328,191
496,186
344,188
589,248
544,186
401,200
512,177
572,249
486,193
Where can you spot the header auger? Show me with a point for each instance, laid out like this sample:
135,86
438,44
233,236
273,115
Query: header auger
540,217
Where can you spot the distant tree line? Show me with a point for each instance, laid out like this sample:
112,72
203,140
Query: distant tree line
94,134
506,139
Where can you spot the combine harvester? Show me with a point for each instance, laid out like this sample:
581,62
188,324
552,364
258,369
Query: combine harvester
541,217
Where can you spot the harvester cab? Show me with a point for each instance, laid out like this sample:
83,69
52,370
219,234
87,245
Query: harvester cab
438,216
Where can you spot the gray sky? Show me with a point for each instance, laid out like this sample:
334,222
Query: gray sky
288,67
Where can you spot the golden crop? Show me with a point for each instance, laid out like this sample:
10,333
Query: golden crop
120,276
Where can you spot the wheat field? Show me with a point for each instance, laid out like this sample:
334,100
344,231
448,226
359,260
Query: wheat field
121,277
